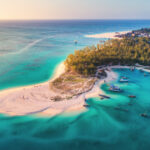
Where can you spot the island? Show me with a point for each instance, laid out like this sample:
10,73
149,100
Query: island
79,77
144,32
126,51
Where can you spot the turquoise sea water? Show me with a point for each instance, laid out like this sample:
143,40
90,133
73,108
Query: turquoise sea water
30,52
102,126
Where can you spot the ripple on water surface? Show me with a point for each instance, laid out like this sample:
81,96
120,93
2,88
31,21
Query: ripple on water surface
109,124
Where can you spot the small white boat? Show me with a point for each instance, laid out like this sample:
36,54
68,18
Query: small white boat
124,80
76,42
114,88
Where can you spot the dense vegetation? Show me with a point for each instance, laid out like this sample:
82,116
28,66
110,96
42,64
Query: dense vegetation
144,32
126,51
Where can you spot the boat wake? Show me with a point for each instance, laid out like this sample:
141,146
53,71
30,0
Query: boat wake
31,45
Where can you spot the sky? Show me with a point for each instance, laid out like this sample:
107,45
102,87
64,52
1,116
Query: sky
74,9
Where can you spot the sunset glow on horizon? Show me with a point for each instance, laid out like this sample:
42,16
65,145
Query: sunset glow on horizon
74,9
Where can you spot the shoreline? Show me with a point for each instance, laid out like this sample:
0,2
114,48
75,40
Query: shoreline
35,99
60,69
97,88
111,75
109,35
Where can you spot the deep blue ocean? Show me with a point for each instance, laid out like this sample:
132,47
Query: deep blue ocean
29,54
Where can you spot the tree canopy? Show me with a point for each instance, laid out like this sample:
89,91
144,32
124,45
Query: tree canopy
126,51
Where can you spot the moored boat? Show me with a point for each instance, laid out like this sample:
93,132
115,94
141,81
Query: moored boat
114,88
124,80
132,96
87,106
144,115
104,96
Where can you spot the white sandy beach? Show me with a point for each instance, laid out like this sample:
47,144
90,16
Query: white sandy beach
13,100
111,35
36,99
96,89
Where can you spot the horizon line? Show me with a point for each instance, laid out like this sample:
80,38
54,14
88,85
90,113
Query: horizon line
69,19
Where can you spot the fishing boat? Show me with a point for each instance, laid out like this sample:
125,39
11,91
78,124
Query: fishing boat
144,115
132,96
87,106
104,96
124,80
114,88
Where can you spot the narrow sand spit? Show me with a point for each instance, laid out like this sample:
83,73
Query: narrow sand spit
28,99
36,99
111,35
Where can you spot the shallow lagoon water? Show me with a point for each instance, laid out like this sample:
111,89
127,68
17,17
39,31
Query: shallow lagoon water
102,126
